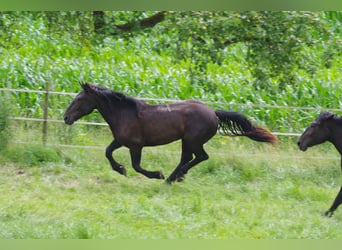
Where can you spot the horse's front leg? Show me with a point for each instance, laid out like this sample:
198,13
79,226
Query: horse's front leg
136,159
109,154
337,202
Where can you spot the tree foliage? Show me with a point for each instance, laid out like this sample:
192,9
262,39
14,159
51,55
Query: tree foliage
276,58
276,42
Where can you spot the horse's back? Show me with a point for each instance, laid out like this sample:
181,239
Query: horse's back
187,111
200,121
184,120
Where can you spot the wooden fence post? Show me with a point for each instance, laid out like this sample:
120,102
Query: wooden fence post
45,110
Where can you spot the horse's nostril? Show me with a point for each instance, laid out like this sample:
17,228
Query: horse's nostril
66,119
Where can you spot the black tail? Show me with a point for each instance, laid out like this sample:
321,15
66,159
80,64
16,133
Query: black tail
235,124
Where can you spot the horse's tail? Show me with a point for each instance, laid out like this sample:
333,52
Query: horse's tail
235,124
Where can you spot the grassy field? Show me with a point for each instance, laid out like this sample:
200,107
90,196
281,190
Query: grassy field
246,190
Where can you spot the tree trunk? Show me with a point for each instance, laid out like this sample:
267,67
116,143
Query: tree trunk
99,22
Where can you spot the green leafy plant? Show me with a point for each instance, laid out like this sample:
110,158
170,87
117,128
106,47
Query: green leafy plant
4,124
187,56
31,154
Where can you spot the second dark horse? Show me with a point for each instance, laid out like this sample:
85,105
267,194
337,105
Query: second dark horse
136,124
327,127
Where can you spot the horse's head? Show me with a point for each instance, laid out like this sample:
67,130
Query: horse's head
317,133
82,105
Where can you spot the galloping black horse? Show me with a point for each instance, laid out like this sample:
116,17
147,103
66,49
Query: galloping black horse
135,124
327,127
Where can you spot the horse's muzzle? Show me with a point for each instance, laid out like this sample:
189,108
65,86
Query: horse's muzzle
68,120
302,146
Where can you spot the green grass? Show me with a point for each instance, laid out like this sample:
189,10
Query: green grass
246,190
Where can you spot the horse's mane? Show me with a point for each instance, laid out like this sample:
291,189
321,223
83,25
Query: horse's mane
338,120
113,96
327,115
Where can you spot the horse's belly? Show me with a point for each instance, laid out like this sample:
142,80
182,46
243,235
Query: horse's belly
160,137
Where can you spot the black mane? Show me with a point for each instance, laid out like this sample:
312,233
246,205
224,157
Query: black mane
338,120
115,98
327,115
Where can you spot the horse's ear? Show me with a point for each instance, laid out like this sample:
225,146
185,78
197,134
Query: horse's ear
327,116
331,116
86,86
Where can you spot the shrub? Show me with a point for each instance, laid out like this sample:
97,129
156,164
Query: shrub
4,125
29,155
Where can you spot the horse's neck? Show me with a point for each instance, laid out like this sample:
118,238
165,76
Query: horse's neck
113,113
336,137
107,110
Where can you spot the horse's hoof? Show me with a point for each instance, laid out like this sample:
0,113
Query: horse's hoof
329,213
180,179
122,170
168,181
161,176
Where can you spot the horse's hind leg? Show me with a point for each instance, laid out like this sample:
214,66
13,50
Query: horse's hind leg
337,202
109,154
200,155
180,171
136,159
185,158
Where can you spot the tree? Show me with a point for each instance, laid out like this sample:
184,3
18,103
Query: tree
276,42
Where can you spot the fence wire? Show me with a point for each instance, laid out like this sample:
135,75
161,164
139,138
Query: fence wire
272,106
165,100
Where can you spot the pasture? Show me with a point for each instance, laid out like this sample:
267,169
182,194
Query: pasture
246,190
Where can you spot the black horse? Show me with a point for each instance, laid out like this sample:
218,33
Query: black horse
327,127
135,124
